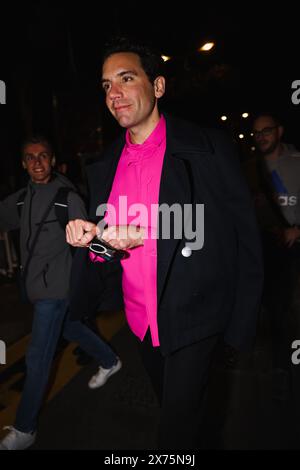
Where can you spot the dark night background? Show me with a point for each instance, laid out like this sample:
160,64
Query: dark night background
50,56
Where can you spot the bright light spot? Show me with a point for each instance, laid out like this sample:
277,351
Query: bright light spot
252,134
206,47
253,149
223,118
245,115
165,58
241,136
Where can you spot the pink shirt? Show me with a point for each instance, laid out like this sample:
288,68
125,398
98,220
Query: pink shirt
138,178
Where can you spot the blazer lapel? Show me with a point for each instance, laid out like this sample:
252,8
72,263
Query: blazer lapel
101,175
177,184
175,188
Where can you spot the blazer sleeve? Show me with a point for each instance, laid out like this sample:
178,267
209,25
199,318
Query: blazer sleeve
94,286
241,329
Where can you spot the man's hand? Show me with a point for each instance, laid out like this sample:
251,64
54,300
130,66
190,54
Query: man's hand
79,233
124,237
290,235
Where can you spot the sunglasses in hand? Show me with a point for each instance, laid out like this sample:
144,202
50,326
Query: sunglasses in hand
103,249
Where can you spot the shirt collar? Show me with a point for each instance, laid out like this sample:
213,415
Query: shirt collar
153,140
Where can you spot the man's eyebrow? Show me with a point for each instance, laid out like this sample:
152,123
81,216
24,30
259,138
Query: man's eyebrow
265,127
121,74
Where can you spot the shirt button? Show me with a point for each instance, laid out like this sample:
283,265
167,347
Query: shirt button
186,251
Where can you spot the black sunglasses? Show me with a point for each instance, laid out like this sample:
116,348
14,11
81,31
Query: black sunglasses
106,251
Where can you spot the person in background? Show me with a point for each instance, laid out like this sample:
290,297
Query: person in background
46,259
278,208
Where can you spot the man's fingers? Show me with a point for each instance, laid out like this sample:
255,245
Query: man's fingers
123,236
87,237
71,234
68,237
75,231
113,232
81,227
88,226
110,234
80,232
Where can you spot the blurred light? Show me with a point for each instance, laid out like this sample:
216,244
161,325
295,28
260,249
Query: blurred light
241,136
245,115
223,118
253,149
206,47
165,58
252,134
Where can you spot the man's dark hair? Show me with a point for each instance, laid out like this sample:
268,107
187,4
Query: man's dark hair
151,60
37,139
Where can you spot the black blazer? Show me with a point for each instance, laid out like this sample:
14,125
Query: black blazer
215,290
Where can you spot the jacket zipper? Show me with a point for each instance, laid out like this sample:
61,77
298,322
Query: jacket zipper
44,275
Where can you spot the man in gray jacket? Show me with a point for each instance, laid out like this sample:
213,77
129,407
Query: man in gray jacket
278,208
46,259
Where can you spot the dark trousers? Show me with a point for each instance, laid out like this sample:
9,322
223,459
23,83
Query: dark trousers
282,270
180,381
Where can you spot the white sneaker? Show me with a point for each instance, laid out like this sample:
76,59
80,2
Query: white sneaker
17,440
103,375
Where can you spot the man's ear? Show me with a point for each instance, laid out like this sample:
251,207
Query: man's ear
159,86
24,165
280,131
53,161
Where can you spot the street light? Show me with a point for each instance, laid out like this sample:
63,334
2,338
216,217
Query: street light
206,47
245,115
223,118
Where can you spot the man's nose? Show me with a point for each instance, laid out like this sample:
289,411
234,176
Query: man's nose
37,160
115,92
258,136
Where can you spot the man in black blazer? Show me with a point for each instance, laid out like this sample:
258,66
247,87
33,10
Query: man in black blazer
206,288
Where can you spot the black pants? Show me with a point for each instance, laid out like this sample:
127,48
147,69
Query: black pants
282,270
180,381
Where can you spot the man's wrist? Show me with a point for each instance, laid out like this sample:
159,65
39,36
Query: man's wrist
297,227
141,232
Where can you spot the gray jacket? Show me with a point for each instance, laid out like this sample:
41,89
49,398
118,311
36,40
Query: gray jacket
49,269
287,196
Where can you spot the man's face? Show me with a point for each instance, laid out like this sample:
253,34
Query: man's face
267,134
38,161
130,96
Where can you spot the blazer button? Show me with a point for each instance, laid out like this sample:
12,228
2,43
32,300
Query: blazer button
186,251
